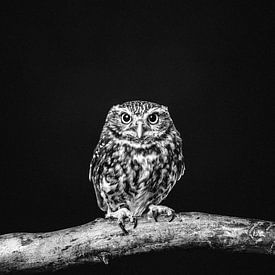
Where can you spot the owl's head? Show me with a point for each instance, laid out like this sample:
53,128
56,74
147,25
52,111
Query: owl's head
138,121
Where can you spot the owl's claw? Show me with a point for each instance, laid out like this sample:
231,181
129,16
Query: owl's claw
120,215
122,226
135,222
156,210
172,216
154,215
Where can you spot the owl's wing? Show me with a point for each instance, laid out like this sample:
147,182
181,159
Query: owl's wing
95,173
180,162
181,169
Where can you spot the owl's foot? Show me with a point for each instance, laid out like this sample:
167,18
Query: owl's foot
156,210
120,215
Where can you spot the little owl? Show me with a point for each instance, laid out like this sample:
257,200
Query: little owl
137,161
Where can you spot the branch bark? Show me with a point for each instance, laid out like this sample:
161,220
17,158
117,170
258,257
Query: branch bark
102,240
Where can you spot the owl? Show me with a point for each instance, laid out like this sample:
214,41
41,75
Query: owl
136,162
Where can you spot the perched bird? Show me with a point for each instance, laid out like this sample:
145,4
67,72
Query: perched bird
136,162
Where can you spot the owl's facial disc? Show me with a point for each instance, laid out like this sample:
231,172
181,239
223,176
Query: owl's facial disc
133,125
143,127
140,125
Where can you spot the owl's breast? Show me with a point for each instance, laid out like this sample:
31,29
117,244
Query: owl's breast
132,166
137,177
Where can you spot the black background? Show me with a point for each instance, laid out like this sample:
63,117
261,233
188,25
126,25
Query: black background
64,64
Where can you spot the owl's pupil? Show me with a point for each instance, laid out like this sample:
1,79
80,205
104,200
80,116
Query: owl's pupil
153,118
125,118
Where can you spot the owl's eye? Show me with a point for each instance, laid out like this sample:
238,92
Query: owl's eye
125,118
153,118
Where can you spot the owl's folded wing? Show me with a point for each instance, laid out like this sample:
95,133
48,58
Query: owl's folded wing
182,169
180,158
95,173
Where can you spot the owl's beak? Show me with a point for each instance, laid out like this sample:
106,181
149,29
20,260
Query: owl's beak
139,129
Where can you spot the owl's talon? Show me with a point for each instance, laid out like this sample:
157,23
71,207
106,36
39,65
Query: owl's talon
156,210
172,216
135,222
155,215
122,226
120,215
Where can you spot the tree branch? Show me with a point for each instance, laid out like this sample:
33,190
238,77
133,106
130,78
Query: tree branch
102,240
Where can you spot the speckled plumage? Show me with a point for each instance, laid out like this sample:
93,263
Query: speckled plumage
136,164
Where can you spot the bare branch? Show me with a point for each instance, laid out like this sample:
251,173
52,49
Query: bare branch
102,240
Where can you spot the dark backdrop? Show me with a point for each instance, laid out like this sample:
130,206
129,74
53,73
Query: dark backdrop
64,65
